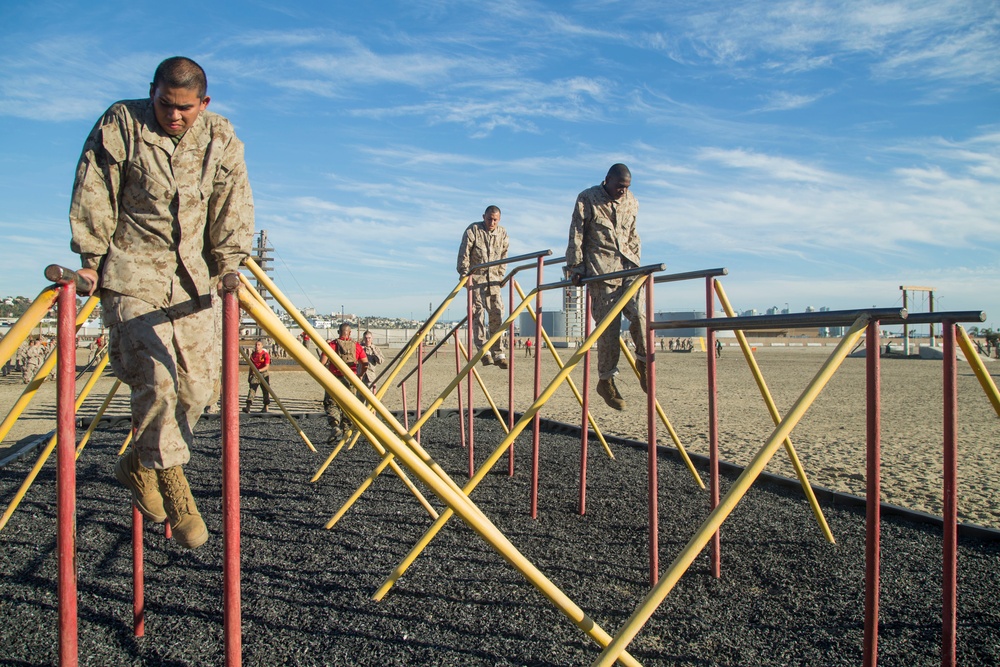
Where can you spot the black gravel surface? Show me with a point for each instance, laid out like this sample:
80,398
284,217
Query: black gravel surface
786,596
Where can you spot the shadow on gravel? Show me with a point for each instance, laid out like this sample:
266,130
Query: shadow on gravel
786,597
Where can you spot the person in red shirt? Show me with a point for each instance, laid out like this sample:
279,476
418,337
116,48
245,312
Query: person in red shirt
353,354
261,360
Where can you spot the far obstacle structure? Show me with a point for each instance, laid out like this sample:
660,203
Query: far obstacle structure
906,289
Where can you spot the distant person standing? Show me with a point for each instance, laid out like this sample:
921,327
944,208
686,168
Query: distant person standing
484,242
261,360
527,347
374,359
352,354
603,239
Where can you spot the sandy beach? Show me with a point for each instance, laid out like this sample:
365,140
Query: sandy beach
830,440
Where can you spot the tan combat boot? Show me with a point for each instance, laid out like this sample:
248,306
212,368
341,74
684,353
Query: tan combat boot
141,481
607,390
189,529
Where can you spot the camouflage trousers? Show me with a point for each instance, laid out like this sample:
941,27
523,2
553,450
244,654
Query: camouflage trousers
253,384
334,414
603,296
487,301
31,368
172,360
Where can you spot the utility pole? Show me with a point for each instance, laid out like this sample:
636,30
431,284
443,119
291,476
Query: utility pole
259,254
906,328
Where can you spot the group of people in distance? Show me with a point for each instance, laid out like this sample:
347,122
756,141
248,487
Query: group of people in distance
161,209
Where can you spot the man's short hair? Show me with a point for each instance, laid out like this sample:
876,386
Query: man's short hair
490,210
340,329
619,171
181,72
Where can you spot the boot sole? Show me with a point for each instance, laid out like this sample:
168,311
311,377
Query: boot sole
192,542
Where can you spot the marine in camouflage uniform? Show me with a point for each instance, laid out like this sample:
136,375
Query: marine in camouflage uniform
483,242
603,239
34,358
161,209
353,354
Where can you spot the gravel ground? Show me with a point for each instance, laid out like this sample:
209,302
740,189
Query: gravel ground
786,597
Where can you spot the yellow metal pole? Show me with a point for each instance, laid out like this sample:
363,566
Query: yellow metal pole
87,388
772,409
42,374
663,418
434,477
569,380
335,359
321,344
381,451
486,392
29,320
267,387
128,439
49,447
521,424
470,365
728,503
284,339
979,368
97,417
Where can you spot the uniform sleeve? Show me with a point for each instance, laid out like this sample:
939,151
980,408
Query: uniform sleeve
93,213
504,246
577,225
464,250
230,210
633,243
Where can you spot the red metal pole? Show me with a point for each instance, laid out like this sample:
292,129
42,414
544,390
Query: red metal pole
949,579
406,415
232,614
461,412
715,547
585,427
536,422
66,475
420,381
138,576
510,377
468,347
653,482
873,493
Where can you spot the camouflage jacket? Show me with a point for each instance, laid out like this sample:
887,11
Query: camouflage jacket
145,210
602,233
480,246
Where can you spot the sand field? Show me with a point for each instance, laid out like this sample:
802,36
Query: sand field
830,440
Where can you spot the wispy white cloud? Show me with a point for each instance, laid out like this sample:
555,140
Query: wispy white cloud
766,166
950,39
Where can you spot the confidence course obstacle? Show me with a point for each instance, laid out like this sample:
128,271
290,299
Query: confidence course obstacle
404,447
866,322
231,401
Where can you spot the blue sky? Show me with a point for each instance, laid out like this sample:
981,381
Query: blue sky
825,152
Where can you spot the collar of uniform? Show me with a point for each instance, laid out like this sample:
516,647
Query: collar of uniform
605,196
153,134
